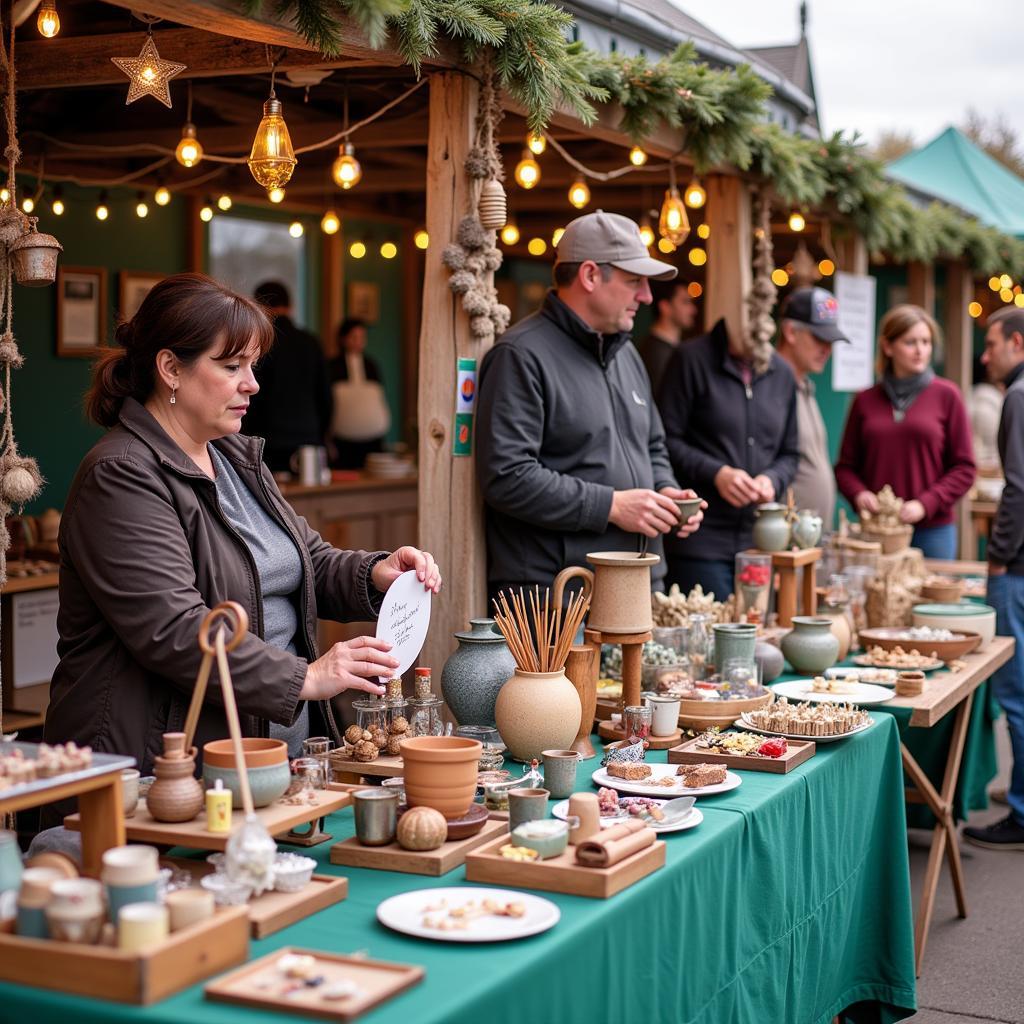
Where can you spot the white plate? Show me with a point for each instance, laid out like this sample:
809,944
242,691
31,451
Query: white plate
658,771
794,736
865,693
860,673
405,913
691,819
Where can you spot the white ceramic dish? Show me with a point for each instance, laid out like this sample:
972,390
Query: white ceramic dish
691,819
965,615
661,771
865,694
800,736
405,913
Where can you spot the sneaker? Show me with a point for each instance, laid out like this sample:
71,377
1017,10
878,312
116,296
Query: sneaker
1003,835
998,796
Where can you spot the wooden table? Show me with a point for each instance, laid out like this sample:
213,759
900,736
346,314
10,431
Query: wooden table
980,523
946,692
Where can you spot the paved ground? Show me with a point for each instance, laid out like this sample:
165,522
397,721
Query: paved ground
974,968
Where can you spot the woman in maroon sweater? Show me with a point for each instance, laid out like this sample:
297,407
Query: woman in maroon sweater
910,431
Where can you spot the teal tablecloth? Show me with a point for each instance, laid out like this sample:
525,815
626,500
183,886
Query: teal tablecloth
789,903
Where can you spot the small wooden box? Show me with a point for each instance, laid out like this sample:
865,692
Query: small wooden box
562,873
141,977
797,751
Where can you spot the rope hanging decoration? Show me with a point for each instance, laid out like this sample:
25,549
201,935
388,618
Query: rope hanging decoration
474,255
29,257
762,294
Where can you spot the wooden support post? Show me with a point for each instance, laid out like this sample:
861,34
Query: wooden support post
331,291
921,285
450,510
958,328
852,254
729,271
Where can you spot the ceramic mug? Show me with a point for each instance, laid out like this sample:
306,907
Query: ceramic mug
560,772
130,874
526,805
664,713
188,906
33,897
130,790
140,925
586,809
75,912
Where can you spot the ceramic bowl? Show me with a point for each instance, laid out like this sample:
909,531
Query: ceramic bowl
266,763
961,617
292,872
891,637
548,836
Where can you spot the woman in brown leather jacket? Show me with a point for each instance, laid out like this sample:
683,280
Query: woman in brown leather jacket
173,511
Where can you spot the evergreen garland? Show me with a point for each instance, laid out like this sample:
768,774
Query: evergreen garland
719,113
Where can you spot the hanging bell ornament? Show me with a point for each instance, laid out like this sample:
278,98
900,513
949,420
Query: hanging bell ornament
34,256
492,207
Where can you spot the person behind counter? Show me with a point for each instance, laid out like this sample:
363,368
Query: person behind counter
361,418
909,431
172,512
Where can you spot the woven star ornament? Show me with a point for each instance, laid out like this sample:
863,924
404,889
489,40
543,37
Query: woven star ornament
148,74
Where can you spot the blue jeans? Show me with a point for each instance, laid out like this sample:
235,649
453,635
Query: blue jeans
1006,595
714,576
936,541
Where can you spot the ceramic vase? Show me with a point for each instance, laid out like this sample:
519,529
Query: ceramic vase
806,529
176,795
771,528
841,628
811,647
537,711
734,640
476,671
770,658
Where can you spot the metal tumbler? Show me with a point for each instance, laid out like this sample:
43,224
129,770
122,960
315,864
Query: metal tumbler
376,813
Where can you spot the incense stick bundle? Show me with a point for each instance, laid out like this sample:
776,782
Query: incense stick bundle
545,646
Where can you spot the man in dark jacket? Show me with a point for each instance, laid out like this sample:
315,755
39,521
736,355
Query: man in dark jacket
1004,359
675,313
731,431
570,449
293,405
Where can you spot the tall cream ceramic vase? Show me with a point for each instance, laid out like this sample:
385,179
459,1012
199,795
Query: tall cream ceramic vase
537,711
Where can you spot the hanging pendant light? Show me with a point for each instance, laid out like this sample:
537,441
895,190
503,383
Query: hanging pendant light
272,159
673,224
48,20
579,194
346,170
189,151
695,195
330,223
527,172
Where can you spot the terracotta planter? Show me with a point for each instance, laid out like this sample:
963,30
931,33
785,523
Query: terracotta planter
538,711
440,772
620,588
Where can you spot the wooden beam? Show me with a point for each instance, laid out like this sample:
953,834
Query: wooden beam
331,291
450,508
852,253
730,254
413,260
921,285
958,326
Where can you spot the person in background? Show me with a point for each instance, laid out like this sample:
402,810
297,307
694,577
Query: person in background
984,405
361,418
1004,360
731,431
808,329
909,431
293,406
675,314
570,451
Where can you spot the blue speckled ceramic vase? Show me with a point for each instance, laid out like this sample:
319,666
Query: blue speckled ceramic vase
473,675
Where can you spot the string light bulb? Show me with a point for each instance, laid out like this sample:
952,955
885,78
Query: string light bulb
1018,301
272,158
162,196
826,268
357,250
536,247
696,197
346,170
579,194
1006,294
389,250
189,150
1005,281
48,20
527,172
638,156
295,229
5,195
421,239
206,213
704,231
141,206
780,278
797,222
510,233
102,210
57,206
330,223
665,246
28,204
275,195
993,283
536,143
698,257
224,202
646,233
695,289
974,310
673,223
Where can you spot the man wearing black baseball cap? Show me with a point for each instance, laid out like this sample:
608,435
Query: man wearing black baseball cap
808,328
570,449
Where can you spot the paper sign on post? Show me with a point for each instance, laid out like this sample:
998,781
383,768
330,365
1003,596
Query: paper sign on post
404,618
853,365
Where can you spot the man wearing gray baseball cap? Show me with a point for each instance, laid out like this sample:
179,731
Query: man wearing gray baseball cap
570,449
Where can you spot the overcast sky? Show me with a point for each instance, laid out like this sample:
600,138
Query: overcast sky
903,64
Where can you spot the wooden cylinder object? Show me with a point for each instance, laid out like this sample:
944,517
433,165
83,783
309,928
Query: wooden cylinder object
580,667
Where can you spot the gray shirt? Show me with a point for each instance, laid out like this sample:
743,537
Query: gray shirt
280,574
1006,540
814,485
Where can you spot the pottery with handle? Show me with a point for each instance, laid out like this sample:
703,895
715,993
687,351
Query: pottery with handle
620,585
771,527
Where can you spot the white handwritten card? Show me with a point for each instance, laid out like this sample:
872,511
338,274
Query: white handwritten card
404,618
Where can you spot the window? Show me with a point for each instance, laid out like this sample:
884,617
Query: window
244,253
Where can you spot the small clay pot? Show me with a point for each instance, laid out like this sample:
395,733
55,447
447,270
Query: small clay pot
440,772
177,794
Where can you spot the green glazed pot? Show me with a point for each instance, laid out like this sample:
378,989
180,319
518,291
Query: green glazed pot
771,530
810,647
734,640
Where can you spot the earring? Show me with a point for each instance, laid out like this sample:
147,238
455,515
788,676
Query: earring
173,391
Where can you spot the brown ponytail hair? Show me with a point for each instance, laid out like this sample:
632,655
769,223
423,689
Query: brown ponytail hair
187,314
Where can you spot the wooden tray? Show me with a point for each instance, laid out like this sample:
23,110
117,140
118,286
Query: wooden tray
273,911
278,818
378,980
386,767
797,752
562,873
392,857
143,977
610,733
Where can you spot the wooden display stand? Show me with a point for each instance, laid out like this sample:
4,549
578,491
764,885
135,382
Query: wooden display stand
632,665
382,767
786,565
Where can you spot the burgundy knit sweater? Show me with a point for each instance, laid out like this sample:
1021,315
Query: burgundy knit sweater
928,456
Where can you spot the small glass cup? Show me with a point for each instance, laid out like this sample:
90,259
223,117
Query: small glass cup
753,587
636,722
310,771
742,676
492,755
319,747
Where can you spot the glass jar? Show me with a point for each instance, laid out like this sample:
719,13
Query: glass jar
319,747
492,752
753,585
372,716
636,722
425,716
309,771
699,645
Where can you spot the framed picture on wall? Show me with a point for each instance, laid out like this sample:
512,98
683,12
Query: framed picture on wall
81,311
134,286
363,301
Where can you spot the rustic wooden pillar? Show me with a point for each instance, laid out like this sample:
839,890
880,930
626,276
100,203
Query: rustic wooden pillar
729,270
958,328
852,253
450,509
921,285
331,291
